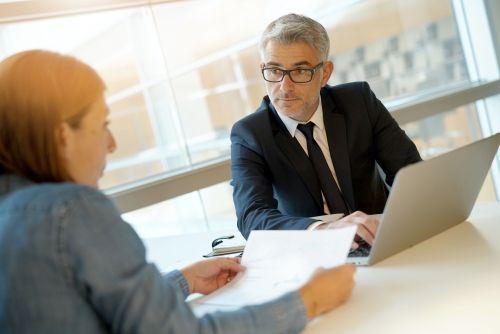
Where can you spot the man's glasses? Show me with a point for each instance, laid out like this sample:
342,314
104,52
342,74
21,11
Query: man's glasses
297,75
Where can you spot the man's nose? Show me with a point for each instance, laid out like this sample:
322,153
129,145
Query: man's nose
287,84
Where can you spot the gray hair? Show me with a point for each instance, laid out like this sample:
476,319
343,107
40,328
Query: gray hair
294,28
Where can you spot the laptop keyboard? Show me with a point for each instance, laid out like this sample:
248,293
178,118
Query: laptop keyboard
362,251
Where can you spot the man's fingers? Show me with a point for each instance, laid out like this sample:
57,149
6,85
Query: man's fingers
372,225
365,235
367,226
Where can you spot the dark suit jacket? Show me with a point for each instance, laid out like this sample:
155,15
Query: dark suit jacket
275,186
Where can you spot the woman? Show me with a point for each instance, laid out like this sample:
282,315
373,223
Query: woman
68,263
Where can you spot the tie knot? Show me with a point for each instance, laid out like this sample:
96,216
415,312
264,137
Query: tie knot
307,129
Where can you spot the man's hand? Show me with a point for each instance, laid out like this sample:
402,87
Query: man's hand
209,275
367,226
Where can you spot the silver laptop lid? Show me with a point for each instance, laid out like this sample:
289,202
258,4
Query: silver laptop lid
432,196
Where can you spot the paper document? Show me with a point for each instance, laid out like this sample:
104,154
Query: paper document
281,261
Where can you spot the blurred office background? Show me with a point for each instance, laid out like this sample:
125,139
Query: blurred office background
180,73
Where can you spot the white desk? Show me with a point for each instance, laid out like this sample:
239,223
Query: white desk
447,284
175,252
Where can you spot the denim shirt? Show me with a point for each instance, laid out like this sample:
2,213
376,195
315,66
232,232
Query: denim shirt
70,264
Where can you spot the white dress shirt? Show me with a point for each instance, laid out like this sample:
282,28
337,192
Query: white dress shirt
319,134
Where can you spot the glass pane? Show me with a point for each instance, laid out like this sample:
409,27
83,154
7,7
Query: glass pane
176,88
148,140
206,116
181,215
446,131
122,46
417,47
210,208
219,209
230,27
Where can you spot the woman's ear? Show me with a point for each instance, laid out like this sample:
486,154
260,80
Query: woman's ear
64,140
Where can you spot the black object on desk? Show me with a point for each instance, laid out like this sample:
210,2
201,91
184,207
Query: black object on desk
224,250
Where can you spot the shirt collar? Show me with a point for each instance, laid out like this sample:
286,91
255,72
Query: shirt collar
291,124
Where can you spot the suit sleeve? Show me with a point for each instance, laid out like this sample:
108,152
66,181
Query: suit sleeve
256,207
393,149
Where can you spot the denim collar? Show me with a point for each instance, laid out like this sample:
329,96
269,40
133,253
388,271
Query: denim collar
12,182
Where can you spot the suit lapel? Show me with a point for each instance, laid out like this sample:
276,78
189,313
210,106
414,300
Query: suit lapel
339,151
297,157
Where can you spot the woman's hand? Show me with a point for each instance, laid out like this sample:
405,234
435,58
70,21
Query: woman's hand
209,275
327,289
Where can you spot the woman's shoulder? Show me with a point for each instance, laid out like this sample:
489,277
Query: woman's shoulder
43,196
70,191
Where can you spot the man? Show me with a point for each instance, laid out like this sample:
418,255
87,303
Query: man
310,148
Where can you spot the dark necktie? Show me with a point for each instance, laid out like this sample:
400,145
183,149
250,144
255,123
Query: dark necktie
331,191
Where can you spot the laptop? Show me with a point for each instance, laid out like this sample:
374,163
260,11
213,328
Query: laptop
429,197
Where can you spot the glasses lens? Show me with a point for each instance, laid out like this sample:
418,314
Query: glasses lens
273,74
301,75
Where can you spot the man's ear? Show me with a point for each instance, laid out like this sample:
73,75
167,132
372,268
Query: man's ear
327,72
64,139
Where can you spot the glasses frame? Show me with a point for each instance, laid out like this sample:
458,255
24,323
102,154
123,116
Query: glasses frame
287,72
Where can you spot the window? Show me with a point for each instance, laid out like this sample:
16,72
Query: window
448,130
209,209
177,78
